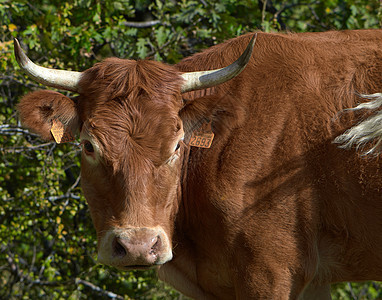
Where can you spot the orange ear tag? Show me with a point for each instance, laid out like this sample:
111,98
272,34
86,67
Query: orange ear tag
61,133
202,137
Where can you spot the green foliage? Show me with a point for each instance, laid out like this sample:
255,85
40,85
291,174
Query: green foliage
47,240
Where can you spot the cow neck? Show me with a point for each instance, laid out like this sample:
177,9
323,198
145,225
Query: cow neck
190,96
183,172
182,195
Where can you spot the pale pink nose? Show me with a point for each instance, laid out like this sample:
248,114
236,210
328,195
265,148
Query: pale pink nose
134,247
141,249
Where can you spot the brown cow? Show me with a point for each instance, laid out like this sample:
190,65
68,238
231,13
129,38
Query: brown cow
273,209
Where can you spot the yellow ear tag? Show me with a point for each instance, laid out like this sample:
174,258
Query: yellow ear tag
202,137
61,133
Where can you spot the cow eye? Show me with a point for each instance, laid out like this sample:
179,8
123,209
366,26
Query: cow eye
177,147
88,147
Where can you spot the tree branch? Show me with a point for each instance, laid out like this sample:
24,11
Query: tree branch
19,276
141,24
9,129
65,196
268,6
98,289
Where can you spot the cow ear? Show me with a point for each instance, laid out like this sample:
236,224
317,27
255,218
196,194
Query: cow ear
39,109
223,112
194,113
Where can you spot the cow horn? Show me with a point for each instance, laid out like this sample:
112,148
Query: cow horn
61,79
204,79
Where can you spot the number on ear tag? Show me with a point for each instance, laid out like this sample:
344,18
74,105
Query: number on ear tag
202,137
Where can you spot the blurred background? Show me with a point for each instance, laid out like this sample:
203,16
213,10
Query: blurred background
47,240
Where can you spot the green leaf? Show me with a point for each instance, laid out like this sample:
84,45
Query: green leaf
142,49
161,35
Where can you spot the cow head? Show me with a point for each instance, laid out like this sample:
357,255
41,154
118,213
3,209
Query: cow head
128,118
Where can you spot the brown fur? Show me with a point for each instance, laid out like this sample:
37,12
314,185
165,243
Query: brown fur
128,102
273,209
39,109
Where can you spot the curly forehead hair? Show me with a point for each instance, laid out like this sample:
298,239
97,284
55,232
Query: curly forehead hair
120,78
132,108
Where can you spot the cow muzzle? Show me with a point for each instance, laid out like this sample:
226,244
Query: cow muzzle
134,248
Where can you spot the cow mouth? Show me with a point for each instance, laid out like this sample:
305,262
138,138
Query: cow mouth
140,267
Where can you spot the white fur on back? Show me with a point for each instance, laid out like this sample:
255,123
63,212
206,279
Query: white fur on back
367,131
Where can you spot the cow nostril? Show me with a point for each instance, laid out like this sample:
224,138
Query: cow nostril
156,245
118,249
